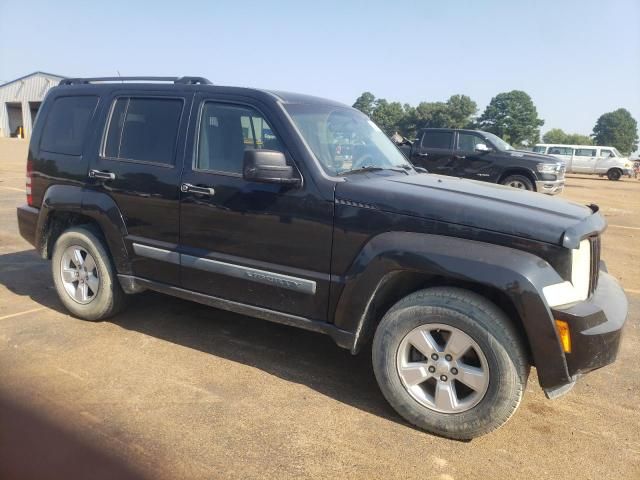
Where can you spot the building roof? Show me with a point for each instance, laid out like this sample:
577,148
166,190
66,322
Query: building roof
31,75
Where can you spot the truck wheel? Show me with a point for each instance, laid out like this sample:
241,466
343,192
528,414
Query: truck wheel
84,276
450,362
518,181
614,174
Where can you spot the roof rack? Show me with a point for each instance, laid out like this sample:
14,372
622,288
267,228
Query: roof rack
177,80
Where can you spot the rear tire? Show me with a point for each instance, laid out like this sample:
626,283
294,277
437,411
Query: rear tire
84,276
518,181
614,174
483,382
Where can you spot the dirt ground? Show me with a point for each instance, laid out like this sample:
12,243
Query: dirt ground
171,389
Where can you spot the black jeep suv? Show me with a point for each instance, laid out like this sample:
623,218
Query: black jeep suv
484,156
299,210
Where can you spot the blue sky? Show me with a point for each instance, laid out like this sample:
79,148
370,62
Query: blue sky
577,59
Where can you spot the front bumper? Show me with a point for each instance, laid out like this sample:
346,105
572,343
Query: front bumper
627,171
551,187
596,330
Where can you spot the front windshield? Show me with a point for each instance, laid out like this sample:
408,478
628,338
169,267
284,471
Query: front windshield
497,141
618,154
345,140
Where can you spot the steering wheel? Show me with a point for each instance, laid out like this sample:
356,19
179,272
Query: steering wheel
365,160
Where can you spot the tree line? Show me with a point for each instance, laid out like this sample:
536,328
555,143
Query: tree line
509,115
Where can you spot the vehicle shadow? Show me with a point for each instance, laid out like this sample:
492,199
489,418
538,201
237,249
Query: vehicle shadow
294,355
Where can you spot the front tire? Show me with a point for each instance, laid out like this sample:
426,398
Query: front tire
84,276
518,181
614,174
450,362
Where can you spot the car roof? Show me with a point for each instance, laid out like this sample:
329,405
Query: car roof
162,84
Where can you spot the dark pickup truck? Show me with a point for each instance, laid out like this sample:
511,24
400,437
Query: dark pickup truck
483,156
299,210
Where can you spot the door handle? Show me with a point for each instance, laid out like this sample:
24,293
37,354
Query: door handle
423,154
187,187
460,157
102,175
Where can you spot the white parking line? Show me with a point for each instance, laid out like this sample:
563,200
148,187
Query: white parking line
13,188
22,313
622,226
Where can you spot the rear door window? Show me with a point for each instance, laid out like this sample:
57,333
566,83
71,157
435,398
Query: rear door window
442,140
143,129
66,124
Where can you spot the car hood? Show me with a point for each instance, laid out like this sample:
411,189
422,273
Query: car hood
472,203
535,157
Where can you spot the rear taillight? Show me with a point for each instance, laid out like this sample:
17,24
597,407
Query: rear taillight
28,186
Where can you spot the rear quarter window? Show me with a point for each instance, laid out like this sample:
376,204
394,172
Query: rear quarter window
66,124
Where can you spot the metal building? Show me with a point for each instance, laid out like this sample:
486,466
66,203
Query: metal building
20,100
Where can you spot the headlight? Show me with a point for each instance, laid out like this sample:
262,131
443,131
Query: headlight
549,167
578,288
627,165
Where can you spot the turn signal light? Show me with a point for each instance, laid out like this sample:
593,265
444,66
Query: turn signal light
565,337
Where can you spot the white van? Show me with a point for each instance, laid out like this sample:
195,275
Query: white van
589,159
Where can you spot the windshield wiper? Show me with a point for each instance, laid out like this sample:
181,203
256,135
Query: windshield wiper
376,169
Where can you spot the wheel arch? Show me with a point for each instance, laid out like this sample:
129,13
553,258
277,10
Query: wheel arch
64,206
395,264
518,171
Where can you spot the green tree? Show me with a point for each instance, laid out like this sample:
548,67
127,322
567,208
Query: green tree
388,115
512,116
460,109
555,135
365,103
617,129
578,139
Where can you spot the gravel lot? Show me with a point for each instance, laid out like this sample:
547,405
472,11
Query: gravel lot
171,389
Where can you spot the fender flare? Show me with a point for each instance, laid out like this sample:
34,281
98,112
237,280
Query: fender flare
517,274
97,205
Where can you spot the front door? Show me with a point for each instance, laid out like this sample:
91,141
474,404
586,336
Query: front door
262,244
470,163
435,152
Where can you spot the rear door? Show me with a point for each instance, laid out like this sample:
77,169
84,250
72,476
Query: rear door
584,160
138,166
435,152
262,244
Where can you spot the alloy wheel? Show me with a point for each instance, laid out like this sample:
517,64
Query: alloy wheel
79,274
442,368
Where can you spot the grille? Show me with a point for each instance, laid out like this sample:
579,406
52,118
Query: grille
594,243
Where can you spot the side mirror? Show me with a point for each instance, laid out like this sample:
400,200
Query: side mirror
267,166
482,147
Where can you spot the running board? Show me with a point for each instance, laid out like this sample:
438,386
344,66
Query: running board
132,284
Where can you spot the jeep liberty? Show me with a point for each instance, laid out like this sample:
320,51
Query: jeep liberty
299,210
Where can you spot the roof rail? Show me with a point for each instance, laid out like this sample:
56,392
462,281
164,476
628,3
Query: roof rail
193,81
177,80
